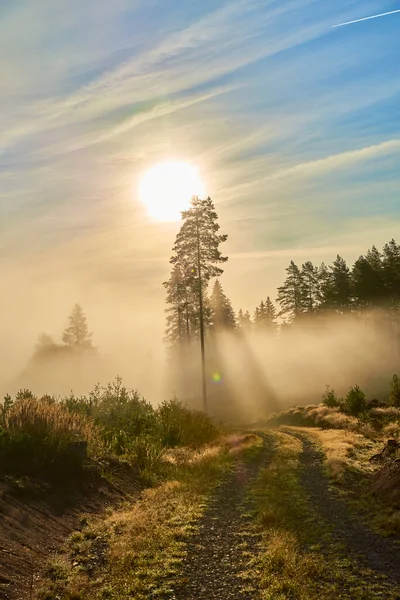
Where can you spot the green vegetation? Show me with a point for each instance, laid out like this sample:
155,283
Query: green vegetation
44,436
394,396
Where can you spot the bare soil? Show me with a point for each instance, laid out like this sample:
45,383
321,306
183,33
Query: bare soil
37,517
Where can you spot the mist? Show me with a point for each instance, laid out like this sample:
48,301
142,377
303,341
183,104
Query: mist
256,373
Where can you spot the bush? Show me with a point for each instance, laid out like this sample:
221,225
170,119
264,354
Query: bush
329,398
39,436
180,426
121,414
394,396
355,401
44,436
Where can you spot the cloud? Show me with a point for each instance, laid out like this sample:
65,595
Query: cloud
344,160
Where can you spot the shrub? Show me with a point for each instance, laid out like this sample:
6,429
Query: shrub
121,414
394,396
180,426
38,436
329,398
355,401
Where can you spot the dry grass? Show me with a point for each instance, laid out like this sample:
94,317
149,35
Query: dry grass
135,552
344,449
291,564
37,436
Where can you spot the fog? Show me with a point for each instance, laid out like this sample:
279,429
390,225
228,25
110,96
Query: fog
249,375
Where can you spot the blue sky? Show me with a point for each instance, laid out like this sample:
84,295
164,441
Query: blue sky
295,127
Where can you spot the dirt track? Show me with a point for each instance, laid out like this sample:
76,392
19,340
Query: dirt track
381,555
220,552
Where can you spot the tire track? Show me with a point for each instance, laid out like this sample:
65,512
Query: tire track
381,555
220,552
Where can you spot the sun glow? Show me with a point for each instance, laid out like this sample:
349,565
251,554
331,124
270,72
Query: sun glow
166,189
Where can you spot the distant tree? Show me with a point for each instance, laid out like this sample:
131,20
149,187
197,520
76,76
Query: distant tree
244,320
196,251
222,313
265,316
367,279
394,396
77,335
329,398
290,294
178,312
310,287
337,287
391,273
44,342
355,401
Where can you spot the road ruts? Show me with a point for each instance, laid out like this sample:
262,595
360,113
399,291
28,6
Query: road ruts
381,555
222,548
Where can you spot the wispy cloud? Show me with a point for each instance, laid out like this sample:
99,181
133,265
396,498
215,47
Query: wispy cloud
288,120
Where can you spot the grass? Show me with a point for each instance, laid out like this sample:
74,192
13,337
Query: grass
45,436
297,559
347,459
136,551
41,436
345,451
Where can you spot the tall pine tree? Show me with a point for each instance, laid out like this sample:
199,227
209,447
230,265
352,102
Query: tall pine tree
291,293
196,251
310,287
337,288
367,280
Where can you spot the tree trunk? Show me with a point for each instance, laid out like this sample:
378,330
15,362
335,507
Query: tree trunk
203,357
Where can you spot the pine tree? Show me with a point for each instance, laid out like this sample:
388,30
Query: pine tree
391,273
244,321
178,321
367,279
222,314
270,314
77,335
337,287
265,316
310,287
290,294
196,251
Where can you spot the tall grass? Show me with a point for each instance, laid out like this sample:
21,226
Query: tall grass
38,435
45,435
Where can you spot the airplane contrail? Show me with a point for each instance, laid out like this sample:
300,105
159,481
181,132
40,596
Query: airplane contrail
368,18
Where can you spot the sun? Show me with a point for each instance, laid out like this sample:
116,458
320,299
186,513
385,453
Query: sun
166,189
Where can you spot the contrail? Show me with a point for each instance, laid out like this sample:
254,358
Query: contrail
368,18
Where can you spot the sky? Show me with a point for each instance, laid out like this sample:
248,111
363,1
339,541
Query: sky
293,125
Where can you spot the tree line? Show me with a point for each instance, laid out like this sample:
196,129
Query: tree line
373,282
308,291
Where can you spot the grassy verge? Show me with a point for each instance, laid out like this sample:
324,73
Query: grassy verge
348,463
295,561
135,551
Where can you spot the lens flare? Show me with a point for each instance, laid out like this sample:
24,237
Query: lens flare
217,377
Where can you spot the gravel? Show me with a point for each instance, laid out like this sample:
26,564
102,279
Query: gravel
224,545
